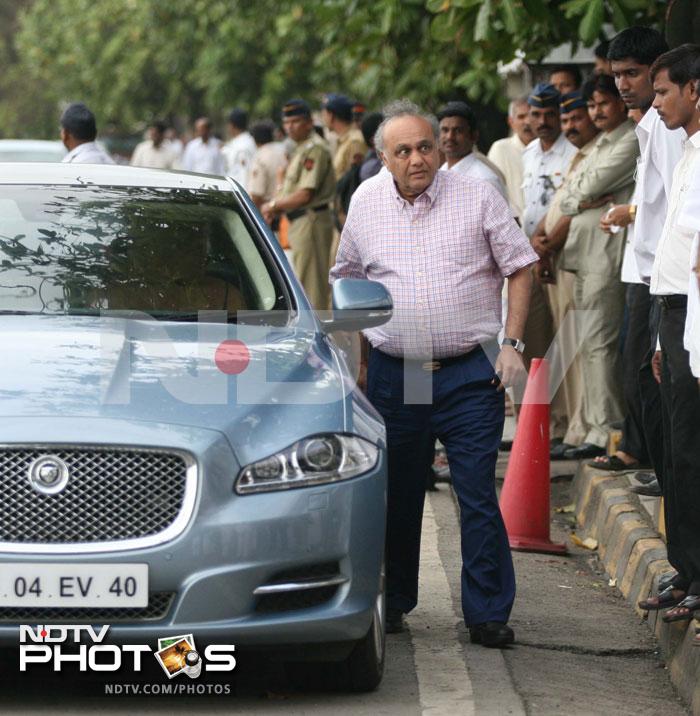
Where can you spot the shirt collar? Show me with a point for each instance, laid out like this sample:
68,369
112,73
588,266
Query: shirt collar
695,140
559,146
430,192
84,147
611,137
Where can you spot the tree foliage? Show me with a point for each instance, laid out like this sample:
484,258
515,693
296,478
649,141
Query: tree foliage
135,59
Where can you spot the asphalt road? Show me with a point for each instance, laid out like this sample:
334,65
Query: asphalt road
580,651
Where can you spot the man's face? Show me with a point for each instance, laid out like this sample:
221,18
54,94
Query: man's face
545,123
410,154
606,111
519,122
563,81
633,83
156,136
298,127
202,129
676,105
456,139
578,127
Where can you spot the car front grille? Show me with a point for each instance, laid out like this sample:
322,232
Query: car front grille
159,604
112,495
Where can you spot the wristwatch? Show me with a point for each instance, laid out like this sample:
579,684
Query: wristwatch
515,343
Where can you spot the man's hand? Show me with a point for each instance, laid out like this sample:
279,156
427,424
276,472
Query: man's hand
656,366
618,215
510,368
544,271
268,212
540,244
595,203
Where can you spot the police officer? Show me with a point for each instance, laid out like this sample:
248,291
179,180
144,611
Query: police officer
306,197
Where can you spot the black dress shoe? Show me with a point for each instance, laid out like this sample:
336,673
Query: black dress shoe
394,621
557,451
651,489
644,477
584,452
492,634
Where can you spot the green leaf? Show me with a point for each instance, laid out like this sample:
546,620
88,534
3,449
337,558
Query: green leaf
510,16
592,22
481,27
436,6
619,16
443,28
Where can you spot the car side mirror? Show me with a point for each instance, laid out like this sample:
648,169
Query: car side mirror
358,304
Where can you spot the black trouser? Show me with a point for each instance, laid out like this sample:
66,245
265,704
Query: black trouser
636,347
681,418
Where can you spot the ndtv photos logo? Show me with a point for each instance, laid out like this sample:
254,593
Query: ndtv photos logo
63,645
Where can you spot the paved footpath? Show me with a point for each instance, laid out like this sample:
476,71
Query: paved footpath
580,651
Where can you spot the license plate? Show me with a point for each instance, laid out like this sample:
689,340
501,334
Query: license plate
41,584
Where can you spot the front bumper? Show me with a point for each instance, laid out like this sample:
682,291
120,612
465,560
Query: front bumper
235,544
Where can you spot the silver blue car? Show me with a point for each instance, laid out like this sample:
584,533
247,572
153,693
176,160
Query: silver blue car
182,446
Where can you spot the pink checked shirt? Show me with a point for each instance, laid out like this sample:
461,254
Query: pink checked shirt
443,259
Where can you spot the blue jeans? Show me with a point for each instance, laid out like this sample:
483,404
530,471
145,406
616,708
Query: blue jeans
466,414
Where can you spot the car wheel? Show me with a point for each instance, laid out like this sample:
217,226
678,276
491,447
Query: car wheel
365,665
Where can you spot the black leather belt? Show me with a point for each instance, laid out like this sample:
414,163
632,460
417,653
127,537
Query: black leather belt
432,365
677,300
298,213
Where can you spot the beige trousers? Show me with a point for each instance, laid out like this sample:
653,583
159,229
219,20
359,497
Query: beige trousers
310,238
561,300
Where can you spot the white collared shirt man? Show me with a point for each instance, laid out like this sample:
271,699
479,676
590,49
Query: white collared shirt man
239,153
204,157
661,150
543,174
87,153
472,166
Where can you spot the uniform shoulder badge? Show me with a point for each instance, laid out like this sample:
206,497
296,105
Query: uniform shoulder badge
309,164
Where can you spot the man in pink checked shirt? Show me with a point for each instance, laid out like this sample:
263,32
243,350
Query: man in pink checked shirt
442,244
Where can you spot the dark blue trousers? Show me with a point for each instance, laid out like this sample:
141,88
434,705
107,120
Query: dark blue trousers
466,414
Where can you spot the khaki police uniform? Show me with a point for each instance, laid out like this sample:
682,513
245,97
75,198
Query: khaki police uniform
311,226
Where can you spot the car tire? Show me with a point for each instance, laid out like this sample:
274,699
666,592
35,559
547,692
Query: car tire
365,665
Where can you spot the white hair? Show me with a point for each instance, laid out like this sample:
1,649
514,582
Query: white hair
516,103
402,108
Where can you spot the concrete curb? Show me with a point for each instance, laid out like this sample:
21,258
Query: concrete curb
634,554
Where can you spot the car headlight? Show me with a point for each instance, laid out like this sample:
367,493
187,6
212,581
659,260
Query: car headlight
312,461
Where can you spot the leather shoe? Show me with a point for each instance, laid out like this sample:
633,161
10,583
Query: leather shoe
557,450
394,621
651,489
495,635
584,452
644,477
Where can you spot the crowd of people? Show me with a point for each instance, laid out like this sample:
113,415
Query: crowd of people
589,213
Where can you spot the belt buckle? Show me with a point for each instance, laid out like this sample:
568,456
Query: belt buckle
431,365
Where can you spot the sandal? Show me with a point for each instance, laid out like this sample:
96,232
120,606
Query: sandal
612,463
684,610
670,597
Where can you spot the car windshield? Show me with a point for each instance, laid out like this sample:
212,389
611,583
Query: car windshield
170,253
31,155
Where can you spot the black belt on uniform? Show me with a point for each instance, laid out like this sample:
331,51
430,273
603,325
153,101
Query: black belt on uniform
678,300
298,213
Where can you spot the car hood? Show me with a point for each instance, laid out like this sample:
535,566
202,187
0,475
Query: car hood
171,373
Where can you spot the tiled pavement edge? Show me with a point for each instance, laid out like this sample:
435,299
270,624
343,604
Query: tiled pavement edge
634,554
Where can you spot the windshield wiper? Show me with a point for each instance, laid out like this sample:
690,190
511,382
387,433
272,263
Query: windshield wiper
10,312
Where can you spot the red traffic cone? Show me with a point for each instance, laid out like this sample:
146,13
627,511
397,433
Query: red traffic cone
525,494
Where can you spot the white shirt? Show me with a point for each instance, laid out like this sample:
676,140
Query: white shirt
239,153
148,155
689,217
543,174
669,273
473,167
630,270
204,158
661,150
507,155
88,153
